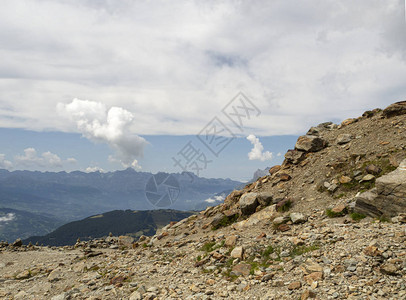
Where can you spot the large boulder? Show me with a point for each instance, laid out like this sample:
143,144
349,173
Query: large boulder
388,198
310,143
295,156
248,203
395,109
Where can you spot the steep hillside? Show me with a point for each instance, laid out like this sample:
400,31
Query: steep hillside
118,222
329,223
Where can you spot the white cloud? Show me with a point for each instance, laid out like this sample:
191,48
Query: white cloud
167,62
111,126
71,160
94,169
4,163
47,160
257,152
8,217
218,198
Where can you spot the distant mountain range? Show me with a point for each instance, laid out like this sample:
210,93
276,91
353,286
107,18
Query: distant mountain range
49,199
118,222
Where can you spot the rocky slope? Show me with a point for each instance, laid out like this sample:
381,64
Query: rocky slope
329,223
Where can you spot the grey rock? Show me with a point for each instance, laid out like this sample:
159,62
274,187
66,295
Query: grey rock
309,143
237,252
295,156
297,218
344,138
265,198
248,203
17,243
280,220
217,219
368,177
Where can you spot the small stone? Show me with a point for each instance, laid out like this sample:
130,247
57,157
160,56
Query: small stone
267,277
339,209
298,218
372,251
118,280
312,266
368,177
216,255
315,276
344,138
295,285
389,269
230,241
279,220
344,179
237,252
210,282
283,227
241,269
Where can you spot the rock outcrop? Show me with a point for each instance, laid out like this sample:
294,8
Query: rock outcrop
388,198
395,109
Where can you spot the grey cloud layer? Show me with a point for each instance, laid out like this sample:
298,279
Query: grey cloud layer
179,62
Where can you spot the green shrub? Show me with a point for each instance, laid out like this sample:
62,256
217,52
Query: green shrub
299,250
332,214
226,221
208,247
356,216
285,207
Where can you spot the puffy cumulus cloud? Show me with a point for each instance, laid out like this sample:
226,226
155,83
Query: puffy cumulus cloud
4,163
7,218
257,152
47,160
167,62
111,126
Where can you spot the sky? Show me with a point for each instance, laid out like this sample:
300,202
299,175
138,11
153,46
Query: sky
104,85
